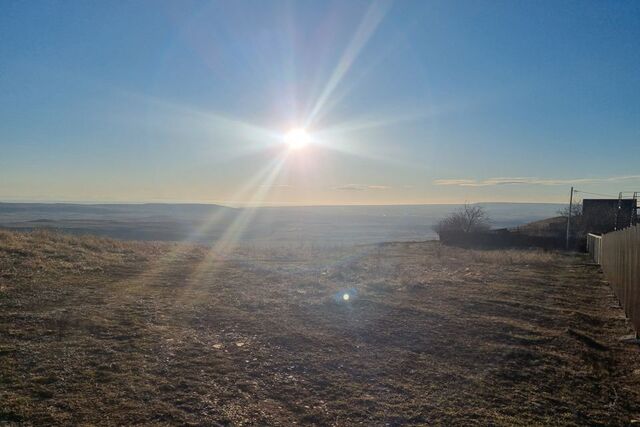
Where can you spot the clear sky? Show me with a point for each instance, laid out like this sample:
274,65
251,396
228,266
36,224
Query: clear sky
403,102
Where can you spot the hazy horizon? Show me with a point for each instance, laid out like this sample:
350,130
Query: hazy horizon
273,226
239,205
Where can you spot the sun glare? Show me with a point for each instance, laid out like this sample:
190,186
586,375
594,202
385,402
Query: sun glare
297,138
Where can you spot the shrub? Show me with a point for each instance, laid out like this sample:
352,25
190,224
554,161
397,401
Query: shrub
467,219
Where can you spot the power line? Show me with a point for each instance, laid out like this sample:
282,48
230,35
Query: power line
595,194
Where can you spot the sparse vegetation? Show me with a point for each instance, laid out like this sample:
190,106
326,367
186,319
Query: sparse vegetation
467,219
577,223
97,331
576,210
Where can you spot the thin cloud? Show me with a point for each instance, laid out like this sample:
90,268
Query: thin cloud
532,181
360,187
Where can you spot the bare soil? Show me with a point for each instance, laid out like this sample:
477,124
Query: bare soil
96,331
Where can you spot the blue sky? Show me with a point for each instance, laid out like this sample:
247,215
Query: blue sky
405,102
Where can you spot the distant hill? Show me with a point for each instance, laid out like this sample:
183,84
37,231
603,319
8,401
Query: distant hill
54,211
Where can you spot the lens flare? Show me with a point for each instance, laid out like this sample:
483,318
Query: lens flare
345,297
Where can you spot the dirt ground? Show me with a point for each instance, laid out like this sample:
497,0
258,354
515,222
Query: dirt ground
95,331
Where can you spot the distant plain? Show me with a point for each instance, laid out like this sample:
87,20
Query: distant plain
266,226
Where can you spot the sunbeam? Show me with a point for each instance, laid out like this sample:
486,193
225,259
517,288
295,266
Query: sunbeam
370,21
167,261
256,181
184,121
238,226
356,125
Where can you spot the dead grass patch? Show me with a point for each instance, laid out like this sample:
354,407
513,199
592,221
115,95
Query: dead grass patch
97,331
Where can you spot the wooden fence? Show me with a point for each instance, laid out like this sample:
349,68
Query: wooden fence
618,253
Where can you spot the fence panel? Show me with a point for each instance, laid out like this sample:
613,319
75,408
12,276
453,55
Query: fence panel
618,253
594,247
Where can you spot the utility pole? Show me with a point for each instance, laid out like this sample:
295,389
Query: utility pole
569,216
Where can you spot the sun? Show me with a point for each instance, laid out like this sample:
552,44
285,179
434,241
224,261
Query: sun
297,138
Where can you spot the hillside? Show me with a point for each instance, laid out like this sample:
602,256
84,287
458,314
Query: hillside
99,331
545,227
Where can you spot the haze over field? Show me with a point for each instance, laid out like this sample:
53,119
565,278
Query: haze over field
326,225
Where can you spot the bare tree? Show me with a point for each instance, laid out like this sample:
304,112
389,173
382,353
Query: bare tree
577,222
467,219
576,210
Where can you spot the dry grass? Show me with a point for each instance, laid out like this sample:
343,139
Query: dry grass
98,331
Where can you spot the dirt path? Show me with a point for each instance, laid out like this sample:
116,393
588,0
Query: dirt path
429,335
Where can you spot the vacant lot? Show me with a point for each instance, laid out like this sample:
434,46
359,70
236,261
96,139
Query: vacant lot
105,332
